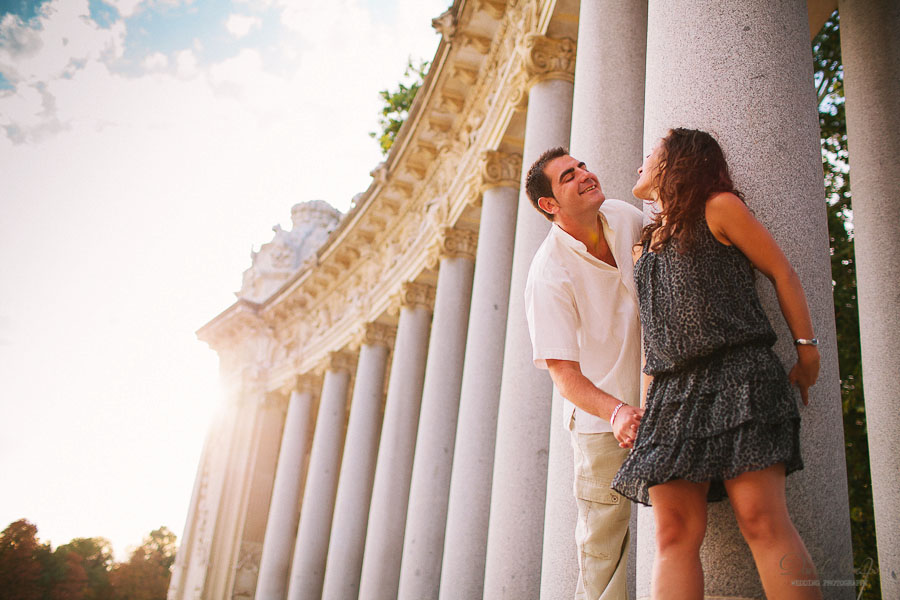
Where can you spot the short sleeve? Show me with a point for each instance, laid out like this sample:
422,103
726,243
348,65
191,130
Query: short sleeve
552,321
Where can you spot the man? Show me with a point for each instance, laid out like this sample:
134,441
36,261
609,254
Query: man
582,314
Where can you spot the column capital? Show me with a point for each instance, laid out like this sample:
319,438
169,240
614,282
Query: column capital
457,243
417,295
548,58
308,383
500,169
375,334
340,360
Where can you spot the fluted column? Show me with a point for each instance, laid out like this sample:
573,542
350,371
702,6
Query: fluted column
430,484
744,72
284,512
469,503
523,422
311,548
871,55
351,508
390,492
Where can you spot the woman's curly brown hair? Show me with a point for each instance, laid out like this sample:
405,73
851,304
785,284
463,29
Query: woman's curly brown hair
691,170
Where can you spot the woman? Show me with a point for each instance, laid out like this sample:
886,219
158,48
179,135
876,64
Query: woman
720,412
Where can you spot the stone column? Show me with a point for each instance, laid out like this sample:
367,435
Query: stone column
426,516
743,71
523,421
559,565
871,55
258,493
284,512
462,571
311,549
390,492
351,508
607,134
608,102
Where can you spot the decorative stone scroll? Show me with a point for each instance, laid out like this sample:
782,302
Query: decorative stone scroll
500,169
548,58
457,243
417,295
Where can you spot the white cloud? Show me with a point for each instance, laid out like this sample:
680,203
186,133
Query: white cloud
240,25
155,62
186,64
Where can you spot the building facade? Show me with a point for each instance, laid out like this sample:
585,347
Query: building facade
385,434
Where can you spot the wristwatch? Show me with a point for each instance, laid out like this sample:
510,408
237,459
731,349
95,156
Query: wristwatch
806,342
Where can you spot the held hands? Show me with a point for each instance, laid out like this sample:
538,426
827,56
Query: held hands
626,424
806,371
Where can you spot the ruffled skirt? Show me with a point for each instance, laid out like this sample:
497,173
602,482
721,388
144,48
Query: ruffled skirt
729,414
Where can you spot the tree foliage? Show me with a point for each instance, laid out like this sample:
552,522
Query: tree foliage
397,104
83,569
832,122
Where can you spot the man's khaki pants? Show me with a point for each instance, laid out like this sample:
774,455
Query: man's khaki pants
602,531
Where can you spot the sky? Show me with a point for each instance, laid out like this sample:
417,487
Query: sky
146,146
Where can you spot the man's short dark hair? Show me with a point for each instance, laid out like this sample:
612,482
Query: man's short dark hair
537,184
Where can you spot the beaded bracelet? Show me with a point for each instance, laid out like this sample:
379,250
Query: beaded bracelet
615,412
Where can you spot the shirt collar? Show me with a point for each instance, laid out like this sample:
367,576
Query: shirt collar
561,236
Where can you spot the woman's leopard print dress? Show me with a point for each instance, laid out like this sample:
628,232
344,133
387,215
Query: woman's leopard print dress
720,403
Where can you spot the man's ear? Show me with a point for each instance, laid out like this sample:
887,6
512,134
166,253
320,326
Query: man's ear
548,204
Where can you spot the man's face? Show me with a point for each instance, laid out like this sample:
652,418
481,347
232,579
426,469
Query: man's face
576,189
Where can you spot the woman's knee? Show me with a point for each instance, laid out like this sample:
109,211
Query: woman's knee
762,521
681,529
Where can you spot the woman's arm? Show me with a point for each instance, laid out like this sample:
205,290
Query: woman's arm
636,253
732,223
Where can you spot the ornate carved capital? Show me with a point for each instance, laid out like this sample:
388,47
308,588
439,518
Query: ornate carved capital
379,334
445,25
500,169
309,383
417,295
548,58
457,243
341,361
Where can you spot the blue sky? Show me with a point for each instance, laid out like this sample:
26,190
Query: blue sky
146,146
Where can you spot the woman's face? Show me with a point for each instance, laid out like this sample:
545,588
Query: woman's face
643,189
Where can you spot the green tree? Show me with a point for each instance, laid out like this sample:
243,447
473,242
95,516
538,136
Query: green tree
397,104
832,121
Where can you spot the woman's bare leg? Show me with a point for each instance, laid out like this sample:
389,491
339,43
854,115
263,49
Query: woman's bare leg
781,558
679,508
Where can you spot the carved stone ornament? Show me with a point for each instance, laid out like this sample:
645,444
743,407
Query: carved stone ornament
341,361
417,295
548,58
495,8
376,334
458,243
309,383
380,173
500,169
445,25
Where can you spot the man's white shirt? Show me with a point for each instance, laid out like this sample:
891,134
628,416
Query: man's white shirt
579,308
